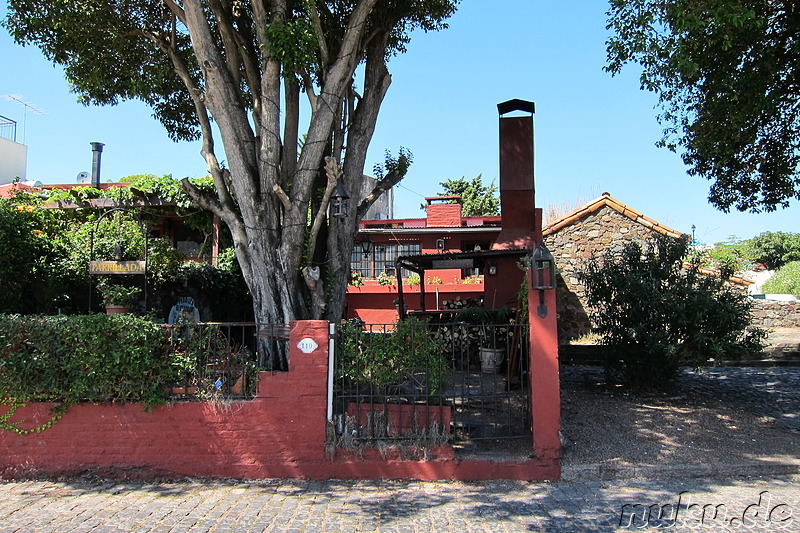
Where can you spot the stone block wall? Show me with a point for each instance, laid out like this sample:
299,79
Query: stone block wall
775,314
573,245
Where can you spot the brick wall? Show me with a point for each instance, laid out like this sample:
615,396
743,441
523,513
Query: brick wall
572,246
444,216
279,434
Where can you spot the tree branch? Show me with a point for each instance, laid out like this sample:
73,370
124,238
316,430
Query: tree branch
176,10
230,44
323,45
334,173
282,196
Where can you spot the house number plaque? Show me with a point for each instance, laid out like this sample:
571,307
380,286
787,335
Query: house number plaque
307,345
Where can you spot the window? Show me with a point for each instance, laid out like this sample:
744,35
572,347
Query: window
382,258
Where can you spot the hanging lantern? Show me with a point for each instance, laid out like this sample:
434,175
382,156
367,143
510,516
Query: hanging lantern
544,269
366,245
340,201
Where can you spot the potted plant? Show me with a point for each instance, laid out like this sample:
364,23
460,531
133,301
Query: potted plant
491,329
117,298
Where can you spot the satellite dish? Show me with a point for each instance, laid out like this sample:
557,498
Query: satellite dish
84,177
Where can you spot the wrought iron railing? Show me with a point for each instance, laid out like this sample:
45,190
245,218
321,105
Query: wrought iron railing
415,381
218,360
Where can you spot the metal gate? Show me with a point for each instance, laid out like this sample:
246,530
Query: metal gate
416,381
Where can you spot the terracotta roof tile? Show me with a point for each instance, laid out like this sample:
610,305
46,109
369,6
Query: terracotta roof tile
607,201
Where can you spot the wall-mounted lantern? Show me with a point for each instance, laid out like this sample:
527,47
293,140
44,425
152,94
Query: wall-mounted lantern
543,275
366,245
544,269
440,244
491,269
340,201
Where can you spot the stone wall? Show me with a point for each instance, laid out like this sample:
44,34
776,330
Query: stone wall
775,314
573,245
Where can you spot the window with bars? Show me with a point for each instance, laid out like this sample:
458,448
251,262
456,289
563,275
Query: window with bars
382,258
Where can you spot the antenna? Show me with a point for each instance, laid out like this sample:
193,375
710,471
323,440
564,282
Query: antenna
18,98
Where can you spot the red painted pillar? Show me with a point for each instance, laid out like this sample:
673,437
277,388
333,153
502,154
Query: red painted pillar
544,374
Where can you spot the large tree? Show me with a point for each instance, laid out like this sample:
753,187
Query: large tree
727,74
245,65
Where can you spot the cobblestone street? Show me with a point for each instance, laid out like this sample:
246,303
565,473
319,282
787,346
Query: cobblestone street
674,502
291,506
771,391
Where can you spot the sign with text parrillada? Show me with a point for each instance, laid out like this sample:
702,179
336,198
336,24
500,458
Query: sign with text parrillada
117,267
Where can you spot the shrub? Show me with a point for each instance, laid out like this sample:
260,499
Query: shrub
28,259
654,316
785,281
71,359
775,249
386,359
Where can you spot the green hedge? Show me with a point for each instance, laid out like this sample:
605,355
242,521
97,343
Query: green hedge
71,359
785,281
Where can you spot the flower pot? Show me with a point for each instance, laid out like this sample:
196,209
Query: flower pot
491,359
117,309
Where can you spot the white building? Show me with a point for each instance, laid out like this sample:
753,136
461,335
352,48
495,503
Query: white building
13,156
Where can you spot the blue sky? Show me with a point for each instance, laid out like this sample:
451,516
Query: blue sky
594,133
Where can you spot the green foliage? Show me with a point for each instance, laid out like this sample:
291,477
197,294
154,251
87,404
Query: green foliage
413,279
386,279
72,359
356,279
477,199
29,257
292,44
434,280
729,258
117,294
391,164
785,281
654,316
725,75
775,249
386,359
222,288
117,358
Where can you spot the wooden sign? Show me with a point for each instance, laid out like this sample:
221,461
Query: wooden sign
117,267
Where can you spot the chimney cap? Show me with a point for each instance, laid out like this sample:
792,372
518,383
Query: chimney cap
443,198
516,105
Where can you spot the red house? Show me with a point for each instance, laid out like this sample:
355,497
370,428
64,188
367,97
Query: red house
466,258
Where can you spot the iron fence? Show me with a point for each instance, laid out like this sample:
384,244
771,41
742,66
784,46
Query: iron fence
219,360
422,381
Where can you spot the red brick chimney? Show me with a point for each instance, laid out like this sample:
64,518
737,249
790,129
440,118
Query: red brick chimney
442,212
517,190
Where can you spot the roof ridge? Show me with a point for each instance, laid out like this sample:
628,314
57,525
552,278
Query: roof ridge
607,200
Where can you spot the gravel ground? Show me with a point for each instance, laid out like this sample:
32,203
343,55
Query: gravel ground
721,417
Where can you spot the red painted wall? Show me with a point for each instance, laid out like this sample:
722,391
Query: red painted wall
281,434
375,304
